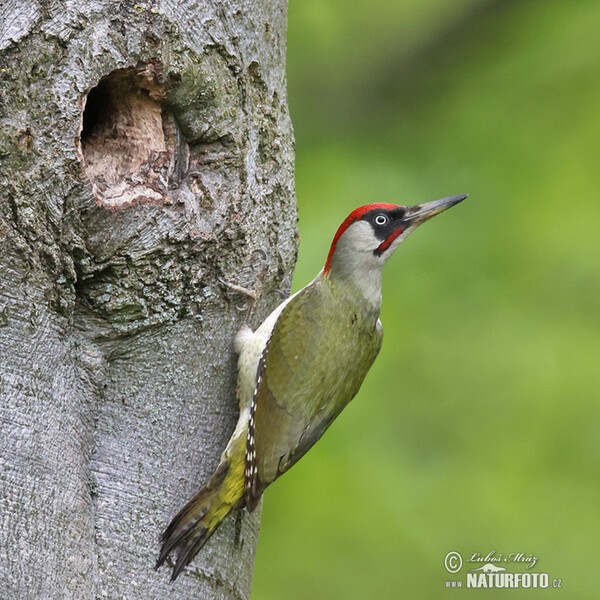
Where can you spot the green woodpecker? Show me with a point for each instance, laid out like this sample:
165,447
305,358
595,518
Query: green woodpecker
299,369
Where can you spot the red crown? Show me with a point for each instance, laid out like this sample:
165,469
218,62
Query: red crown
356,215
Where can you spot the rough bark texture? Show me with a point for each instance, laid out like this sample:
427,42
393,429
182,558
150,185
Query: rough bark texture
117,373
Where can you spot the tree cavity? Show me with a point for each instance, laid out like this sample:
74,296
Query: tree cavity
130,144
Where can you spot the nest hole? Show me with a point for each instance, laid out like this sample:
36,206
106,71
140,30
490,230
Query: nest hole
131,146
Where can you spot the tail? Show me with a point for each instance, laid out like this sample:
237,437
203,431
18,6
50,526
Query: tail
193,525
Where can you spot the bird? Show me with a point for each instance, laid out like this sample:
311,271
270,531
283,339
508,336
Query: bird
299,369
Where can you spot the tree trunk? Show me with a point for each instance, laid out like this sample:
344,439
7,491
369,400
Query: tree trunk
146,151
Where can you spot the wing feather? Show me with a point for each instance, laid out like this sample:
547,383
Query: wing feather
318,355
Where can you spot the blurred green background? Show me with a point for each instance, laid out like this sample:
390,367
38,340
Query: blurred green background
478,428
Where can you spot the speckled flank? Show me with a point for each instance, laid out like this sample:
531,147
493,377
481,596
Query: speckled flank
251,472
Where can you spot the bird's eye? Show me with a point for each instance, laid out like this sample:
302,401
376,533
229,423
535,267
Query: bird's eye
381,219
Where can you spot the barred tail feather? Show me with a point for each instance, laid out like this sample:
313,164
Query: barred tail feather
193,525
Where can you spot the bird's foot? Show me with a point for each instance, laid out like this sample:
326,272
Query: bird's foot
240,290
254,294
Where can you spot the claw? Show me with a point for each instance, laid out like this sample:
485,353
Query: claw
280,293
285,292
253,294
261,253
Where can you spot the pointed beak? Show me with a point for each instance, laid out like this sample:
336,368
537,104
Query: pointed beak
420,213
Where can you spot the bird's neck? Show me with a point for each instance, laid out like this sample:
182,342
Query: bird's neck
361,281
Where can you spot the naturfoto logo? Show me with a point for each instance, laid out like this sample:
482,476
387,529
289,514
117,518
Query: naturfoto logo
493,570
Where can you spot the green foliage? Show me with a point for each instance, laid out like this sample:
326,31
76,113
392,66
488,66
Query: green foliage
478,427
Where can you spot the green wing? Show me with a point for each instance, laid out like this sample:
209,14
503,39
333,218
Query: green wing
315,363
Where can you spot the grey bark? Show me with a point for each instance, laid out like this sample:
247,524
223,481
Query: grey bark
117,376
